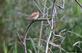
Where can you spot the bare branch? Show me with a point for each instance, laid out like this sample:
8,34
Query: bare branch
78,3
41,29
62,6
39,19
53,13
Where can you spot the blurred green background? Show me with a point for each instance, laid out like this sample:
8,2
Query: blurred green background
13,14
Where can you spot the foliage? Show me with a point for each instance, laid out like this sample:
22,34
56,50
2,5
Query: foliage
67,24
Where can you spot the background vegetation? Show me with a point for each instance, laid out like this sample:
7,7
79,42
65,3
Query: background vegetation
64,35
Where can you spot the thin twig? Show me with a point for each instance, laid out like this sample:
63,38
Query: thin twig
48,42
25,36
52,24
39,19
24,43
51,43
61,7
78,3
40,34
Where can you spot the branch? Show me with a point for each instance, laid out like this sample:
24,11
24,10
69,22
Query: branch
39,19
61,7
78,3
53,14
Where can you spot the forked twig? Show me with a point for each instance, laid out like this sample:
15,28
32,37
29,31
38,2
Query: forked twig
53,14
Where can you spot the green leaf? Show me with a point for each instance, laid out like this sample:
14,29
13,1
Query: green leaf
5,48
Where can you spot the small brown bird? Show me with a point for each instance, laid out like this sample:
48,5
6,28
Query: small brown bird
34,15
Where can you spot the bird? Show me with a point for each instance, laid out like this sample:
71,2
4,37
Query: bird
32,18
34,15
